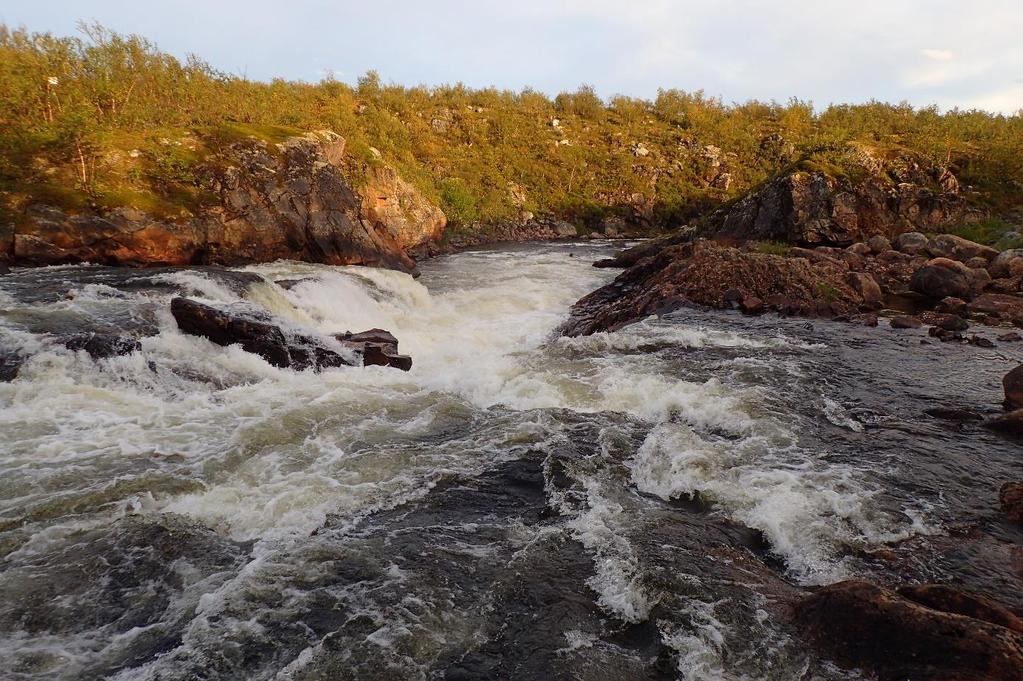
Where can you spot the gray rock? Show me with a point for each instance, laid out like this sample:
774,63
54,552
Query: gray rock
957,248
1001,264
879,243
911,243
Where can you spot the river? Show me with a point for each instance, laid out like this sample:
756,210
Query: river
640,505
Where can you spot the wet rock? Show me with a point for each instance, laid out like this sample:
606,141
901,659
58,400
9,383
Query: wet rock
957,248
254,333
100,346
944,335
947,599
1010,496
257,333
945,321
1011,337
10,362
867,626
950,305
943,278
879,243
378,348
1012,384
957,414
905,322
980,342
1008,424
868,319
911,242
998,305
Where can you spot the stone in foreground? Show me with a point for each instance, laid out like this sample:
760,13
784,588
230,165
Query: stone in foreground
932,633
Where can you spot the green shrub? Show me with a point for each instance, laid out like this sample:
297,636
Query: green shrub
771,248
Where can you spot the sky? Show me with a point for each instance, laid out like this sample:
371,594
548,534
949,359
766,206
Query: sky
949,53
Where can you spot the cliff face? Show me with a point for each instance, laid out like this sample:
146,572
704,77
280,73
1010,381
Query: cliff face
856,195
291,200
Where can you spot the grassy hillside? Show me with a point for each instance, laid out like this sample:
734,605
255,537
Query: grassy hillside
104,120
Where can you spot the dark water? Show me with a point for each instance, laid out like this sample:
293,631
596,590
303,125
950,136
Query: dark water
641,505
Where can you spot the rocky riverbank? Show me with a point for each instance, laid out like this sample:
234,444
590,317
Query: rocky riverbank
304,199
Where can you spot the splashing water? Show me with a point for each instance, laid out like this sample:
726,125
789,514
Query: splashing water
190,507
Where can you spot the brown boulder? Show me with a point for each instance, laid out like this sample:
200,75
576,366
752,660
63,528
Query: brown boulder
998,305
906,322
1010,496
378,348
865,285
942,278
1012,383
863,625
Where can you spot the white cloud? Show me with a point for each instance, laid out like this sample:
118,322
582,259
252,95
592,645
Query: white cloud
922,51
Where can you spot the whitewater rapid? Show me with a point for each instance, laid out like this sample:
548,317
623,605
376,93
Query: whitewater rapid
266,467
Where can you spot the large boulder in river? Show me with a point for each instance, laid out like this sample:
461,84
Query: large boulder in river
707,273
302,199
934,634
256,332
943,278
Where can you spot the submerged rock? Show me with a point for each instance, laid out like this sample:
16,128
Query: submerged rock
1010,496
927,632
100,346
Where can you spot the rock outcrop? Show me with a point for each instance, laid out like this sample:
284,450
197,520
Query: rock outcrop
946,282
706,273
297,199
922,632
845,197
257,332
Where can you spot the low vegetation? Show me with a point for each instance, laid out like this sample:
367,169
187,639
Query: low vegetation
105,119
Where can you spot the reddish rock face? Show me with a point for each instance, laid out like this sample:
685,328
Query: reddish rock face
933,633
290,200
